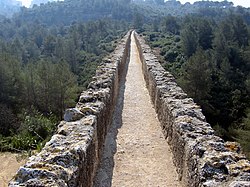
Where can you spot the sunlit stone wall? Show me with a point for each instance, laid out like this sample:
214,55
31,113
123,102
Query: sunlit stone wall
72,155
201,158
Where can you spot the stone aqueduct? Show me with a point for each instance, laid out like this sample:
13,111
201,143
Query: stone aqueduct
72,155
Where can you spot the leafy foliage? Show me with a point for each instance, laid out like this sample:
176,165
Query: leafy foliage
243,133
33,132
69,11
43,69
196,78
212,66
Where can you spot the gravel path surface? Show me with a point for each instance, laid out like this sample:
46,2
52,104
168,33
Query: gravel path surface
9,165
136,153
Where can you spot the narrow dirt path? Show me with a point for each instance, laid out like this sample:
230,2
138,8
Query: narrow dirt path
136,154
9,164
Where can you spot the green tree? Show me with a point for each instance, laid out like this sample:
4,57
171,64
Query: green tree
49,45
240,31
137,20
30,96
196,79
64,87
243,134
9,122
170,24
189,40
204,33
51,87
11,81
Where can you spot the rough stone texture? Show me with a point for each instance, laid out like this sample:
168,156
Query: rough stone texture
73,114
72,155
201,158
135,153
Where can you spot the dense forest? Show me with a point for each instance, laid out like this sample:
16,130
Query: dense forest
43,70
48,54
9,7
209,56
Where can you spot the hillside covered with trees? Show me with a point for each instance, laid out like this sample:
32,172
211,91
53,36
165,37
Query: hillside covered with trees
43,70
9,7
209,56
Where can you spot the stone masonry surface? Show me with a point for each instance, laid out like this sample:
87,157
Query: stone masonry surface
201,158
72,155
136,153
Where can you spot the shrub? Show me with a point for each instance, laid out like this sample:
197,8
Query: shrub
33,133
8,122
171,56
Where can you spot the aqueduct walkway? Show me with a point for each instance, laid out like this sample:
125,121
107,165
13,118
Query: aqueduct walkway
136,153
112,137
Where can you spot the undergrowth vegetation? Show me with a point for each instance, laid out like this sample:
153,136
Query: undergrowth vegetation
33,132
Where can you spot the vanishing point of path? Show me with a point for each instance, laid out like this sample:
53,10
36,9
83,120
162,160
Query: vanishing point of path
136,153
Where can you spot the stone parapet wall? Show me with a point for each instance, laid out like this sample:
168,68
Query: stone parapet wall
201,158
72,155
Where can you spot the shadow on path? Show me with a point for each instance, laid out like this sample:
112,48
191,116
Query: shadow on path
105,171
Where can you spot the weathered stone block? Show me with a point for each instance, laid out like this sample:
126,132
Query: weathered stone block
201,158
72,155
